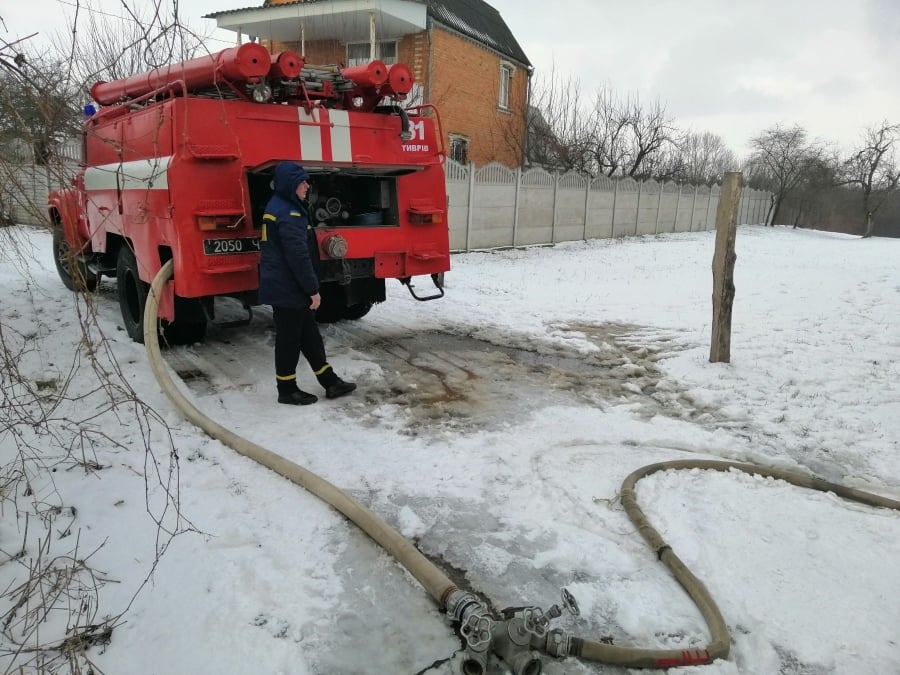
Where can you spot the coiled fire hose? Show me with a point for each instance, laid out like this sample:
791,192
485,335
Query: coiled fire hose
464,607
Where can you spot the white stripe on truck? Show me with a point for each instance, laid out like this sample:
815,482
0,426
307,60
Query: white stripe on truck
310,136
340,136
141,174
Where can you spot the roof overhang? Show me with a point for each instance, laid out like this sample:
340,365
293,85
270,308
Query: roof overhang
343,20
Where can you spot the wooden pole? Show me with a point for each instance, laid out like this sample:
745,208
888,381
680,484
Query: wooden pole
723,268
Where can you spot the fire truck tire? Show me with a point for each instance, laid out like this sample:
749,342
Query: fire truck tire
72,271
189,325
132,293
334,306
190,321
354,312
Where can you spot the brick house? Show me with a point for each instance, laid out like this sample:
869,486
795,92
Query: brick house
463,57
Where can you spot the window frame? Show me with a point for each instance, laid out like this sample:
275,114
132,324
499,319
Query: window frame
459,139
378,52
507,70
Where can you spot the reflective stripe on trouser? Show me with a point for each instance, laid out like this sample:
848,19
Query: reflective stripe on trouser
296,332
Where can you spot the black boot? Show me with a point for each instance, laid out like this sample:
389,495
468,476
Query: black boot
298,397
333,385
294,396
339,388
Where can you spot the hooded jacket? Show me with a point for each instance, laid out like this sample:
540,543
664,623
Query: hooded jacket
287,267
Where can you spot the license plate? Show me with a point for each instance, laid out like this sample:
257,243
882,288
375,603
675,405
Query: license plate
228,246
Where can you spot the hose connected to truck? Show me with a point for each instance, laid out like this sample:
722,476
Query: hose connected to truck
517,638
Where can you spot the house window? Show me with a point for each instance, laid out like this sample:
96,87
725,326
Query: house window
359,53
459,149
506,72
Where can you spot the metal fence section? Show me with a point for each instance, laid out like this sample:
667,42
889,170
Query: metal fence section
494,207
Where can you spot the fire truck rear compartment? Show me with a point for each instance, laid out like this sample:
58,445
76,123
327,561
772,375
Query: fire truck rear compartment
342,198
338,197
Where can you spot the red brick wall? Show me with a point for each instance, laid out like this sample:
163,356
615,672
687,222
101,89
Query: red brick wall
413,51
466,90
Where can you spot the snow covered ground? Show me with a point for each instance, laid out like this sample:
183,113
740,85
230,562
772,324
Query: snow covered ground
493,428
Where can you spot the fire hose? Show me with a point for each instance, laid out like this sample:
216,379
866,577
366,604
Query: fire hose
516,638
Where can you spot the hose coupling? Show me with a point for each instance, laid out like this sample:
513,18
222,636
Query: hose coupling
474,618
557,643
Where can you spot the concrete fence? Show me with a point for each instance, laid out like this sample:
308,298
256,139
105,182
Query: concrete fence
24,187
494,207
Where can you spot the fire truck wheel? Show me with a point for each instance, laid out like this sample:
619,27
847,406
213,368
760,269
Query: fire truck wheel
72,272
132,293
334,306
354,312
189,325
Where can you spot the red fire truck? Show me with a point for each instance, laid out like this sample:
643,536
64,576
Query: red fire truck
177,165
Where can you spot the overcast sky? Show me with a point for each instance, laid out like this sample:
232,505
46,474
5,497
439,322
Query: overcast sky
732,69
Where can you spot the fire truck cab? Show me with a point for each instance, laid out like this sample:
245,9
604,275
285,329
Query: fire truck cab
178,162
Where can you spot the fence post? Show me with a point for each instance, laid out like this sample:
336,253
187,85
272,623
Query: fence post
471,205
677,206
693,209
553,222
515,236
587,209
612,223
637,216
658,208
723,268
708,204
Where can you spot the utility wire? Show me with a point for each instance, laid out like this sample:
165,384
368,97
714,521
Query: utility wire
131,19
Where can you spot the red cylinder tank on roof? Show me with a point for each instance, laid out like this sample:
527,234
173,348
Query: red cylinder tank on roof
287,65
370,76
399,80
246,63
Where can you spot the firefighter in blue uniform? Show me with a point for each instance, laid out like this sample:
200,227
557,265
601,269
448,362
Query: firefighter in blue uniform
288,281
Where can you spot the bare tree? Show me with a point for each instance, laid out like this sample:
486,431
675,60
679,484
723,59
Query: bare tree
615,136
651,132
704,159
872,168
625,138
607,139
143,38
37,104
811,194
558,127
781,158
58,422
